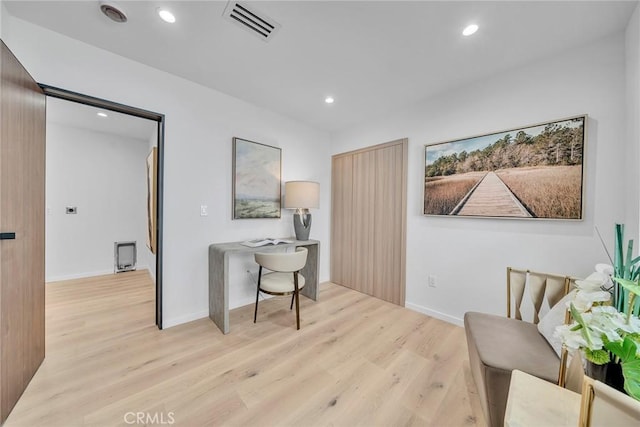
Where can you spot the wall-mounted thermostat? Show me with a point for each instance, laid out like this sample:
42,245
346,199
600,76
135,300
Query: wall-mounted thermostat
72,209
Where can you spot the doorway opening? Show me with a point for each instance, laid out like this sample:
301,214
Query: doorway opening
154,177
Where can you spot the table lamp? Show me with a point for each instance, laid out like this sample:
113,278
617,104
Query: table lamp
301,196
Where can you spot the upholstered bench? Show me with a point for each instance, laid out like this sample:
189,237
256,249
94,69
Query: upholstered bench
498,345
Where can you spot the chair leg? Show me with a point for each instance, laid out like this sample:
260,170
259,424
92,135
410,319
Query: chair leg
255,313
296,294
293,295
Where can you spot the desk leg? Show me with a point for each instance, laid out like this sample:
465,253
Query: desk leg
219,289
310,272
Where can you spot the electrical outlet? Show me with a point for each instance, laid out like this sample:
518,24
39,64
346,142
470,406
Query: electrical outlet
204,210
431,281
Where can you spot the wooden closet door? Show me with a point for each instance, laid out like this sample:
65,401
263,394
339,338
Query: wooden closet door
341,222
388,237
368,233
362,217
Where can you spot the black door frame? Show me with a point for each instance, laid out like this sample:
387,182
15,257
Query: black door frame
92,101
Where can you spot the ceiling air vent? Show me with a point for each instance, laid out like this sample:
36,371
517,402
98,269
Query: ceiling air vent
257,23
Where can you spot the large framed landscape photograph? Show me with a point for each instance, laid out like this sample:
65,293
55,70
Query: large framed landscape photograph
529,172
256,180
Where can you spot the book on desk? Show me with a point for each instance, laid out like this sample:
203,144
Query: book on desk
264,242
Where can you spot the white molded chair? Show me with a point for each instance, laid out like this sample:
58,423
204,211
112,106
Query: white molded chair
285,278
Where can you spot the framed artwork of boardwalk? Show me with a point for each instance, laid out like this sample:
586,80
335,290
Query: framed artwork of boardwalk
529,172
256,180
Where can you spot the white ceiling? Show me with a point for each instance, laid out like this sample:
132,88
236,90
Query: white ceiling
374,57
85,117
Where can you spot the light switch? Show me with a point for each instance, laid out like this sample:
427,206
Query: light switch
204,210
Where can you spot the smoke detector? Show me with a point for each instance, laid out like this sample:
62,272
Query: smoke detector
251,20
113,11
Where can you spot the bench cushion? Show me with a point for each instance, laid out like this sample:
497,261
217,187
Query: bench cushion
497,346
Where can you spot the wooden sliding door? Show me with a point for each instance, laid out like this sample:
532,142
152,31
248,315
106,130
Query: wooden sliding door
368,220
22,154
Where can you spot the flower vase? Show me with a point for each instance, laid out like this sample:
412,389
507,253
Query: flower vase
610,373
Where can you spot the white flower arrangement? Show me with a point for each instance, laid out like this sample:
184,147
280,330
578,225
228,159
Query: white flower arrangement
602,332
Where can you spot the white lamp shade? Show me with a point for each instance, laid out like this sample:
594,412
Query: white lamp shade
301,195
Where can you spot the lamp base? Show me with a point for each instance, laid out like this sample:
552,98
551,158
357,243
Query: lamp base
302,225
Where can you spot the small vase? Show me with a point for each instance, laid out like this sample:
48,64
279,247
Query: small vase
610,373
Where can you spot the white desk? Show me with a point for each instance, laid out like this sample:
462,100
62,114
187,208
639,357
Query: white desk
534,402
219,275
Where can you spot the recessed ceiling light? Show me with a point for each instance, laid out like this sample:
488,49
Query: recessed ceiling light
166,16
101,114
470,29
329,100
113,11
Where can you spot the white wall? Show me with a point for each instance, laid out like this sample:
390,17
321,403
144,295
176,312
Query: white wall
632,48
3,17
469,256
104,176
200,125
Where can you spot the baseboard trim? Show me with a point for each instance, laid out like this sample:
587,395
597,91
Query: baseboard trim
433,313
78,275
85,275
175,321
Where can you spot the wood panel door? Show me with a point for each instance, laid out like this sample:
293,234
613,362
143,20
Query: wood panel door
362,218
341,224
368,220
22,187
389,224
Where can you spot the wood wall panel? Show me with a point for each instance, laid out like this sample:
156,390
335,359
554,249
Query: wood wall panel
370,256
22,168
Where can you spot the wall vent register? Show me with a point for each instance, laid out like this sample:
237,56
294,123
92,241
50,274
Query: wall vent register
125,256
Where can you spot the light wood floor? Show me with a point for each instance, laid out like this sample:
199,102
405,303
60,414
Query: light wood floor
356,360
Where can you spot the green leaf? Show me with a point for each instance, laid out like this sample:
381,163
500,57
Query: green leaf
578,318
631,374
625,350
599,357
616,348
629,285
635,272
617,256
627,265
576,315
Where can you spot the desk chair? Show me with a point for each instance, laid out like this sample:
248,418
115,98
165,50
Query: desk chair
285,278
